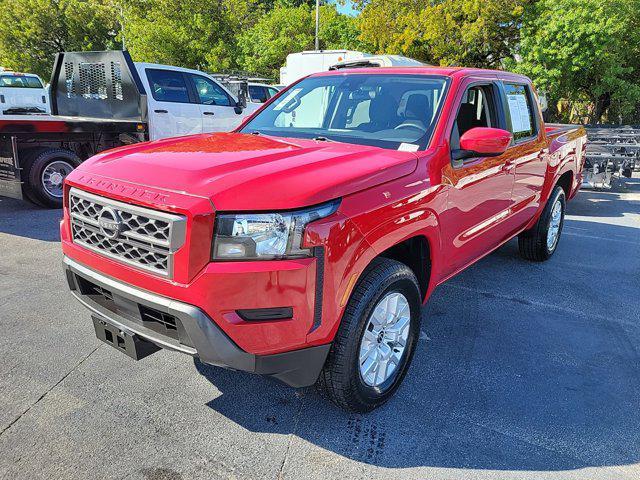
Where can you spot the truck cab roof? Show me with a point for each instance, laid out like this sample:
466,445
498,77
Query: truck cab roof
427,70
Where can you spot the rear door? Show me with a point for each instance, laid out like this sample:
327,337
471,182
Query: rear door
479,200
172,109
216,106
529,149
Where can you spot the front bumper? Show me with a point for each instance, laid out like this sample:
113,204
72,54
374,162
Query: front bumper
185,328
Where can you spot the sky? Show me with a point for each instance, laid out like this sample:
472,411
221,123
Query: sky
346,8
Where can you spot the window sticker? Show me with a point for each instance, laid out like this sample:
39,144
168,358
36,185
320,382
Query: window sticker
519,110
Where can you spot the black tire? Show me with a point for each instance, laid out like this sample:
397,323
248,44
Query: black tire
533,242
35,163
341,380
26,159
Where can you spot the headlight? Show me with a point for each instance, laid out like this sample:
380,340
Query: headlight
265,236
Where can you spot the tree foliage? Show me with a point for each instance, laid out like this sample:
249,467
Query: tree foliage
33,31
477,33
189,33
286,29
586,53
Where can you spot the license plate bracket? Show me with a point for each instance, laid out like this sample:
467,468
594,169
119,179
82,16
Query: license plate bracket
126,342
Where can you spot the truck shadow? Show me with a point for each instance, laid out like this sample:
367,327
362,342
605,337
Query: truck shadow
517,369
23,219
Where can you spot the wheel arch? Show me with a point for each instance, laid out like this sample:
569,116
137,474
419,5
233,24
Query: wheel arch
361,239
415,253
566,182
415,246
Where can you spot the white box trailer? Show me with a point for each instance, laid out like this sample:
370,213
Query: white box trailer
305,63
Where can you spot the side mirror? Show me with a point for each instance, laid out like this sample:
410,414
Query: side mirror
238,107
483,142
243,95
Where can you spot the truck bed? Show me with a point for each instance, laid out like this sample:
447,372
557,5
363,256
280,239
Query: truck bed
10,124
558,128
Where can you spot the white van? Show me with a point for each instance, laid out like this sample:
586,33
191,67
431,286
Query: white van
22,94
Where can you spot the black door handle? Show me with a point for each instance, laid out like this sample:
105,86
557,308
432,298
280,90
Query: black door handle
208,113
161,111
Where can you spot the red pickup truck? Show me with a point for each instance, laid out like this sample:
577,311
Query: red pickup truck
302,245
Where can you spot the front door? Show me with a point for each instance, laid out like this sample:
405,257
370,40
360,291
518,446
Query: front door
479,198
171,111
217,107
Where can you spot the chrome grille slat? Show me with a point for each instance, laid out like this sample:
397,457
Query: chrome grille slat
148,240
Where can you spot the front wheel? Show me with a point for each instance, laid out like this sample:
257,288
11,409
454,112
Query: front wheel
540,242
374,345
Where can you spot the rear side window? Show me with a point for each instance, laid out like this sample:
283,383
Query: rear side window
19,81
523,123
168,86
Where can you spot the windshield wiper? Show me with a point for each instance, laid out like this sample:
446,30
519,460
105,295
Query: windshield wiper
322,139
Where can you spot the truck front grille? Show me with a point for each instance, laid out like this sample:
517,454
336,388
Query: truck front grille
138,236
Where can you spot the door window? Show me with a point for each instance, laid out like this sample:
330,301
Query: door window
168,86
258,94
209,92
476,110
523,123
272,91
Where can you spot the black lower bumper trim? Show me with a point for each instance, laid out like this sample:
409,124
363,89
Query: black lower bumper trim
298,368
202,336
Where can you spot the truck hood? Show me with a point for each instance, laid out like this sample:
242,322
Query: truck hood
239,171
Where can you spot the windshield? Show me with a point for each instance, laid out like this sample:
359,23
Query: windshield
389,111
19,81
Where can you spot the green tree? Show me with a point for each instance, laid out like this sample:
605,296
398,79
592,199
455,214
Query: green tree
475,33
387,26
286,29
189,33
33,31
584,53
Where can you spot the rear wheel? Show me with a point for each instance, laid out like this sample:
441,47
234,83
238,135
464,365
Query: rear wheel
376,339
540,242
44,174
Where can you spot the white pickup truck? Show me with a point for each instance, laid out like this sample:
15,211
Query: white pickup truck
101,100
22,93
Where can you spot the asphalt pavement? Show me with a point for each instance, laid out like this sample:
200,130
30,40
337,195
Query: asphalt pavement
523,371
